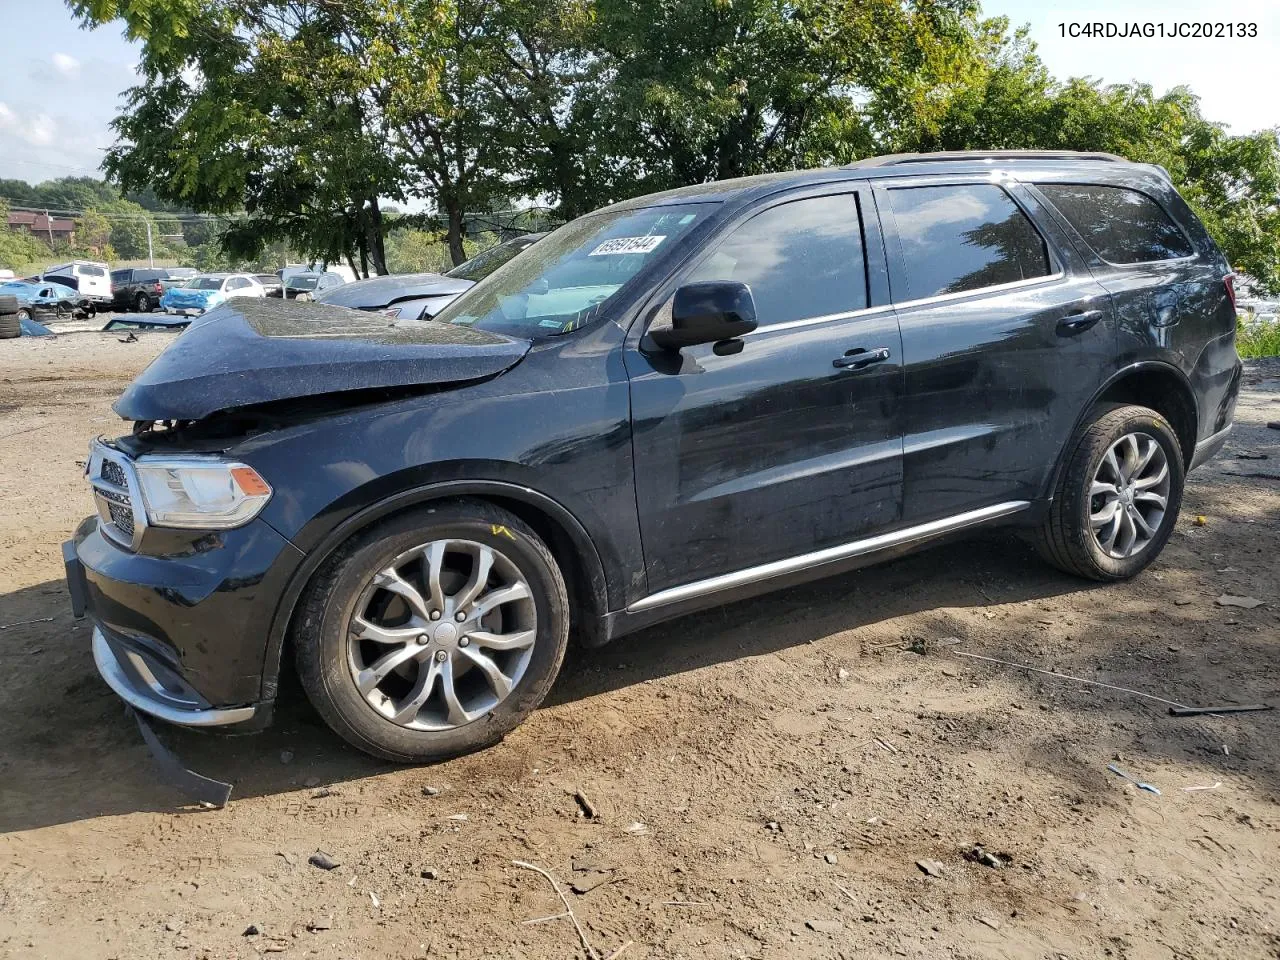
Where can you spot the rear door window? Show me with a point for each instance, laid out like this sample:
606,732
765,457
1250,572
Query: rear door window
964,237
1122,226
802,259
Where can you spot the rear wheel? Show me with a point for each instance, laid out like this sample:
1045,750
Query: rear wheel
433,634
1118,497
142,304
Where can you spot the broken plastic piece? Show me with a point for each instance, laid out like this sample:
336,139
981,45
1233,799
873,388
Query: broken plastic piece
201,789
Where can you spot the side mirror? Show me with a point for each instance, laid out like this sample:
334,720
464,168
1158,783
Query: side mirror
707,312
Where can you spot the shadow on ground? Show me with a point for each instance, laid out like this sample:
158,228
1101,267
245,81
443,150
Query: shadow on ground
71,753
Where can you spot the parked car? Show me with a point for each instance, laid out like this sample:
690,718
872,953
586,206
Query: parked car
306,286
138,288
208,291
89,277
671,403
44,300
420,296
177,276
271,284
316,266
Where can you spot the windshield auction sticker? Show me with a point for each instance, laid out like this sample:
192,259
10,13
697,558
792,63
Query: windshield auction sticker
620,245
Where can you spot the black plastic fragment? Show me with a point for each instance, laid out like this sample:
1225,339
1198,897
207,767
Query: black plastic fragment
206,790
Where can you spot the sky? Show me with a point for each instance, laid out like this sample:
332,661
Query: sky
61,85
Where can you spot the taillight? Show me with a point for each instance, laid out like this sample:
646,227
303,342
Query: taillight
159,288
1229,281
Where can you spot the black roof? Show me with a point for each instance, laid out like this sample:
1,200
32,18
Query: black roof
898,165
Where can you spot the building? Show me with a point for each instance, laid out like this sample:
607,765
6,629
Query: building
45,227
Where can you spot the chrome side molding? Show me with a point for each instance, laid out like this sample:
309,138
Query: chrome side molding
844,551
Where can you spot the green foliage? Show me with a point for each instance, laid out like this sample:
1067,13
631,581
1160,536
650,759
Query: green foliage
1259,338
306,116
410,250
21,252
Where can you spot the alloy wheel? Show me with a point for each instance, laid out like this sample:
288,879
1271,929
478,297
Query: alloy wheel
1129,495
442,634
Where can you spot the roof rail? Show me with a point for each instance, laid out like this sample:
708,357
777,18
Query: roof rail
894,159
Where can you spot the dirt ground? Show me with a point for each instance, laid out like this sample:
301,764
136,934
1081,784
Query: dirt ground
765,777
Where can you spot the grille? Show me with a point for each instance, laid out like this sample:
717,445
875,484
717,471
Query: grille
113,473
122,517
111,485
118,506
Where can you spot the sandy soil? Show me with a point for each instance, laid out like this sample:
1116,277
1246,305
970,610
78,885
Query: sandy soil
764,777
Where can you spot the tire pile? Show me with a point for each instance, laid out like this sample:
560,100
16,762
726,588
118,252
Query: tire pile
10,320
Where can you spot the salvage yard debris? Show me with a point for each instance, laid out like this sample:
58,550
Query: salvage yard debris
1247,603
323,861
1134,780
1067,676
1197,711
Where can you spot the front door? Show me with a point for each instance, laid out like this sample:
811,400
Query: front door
792,444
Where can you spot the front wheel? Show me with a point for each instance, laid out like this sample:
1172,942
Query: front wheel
1118,497
434,633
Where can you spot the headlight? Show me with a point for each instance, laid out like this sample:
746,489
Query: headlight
200,492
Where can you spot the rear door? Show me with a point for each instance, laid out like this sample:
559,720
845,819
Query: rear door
792,444
1167,284
1005,338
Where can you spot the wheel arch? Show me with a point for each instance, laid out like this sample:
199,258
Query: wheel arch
563,533
1151,383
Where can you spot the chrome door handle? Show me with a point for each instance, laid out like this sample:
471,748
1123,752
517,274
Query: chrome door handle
1078,322
861,357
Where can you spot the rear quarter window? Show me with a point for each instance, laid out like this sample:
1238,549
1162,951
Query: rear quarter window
1122,226
963,237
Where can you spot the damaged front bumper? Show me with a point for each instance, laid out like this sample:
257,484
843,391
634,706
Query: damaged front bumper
146,685
180,633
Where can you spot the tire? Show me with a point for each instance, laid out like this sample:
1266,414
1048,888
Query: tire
328,657
8,304
141,304
10,326
1067,537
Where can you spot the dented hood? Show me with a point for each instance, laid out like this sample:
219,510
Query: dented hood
252,351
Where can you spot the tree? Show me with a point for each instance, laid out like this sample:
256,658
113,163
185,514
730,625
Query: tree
93,232
1010,101
701,91
264,107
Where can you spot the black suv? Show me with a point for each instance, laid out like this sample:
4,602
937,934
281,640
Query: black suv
138,289
669,403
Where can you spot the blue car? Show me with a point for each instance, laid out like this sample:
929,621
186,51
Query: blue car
43,300
203,293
